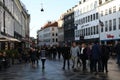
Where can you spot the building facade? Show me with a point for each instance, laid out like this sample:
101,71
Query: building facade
109,11
95,20
87,20
14,23
61,31
69,26
48,34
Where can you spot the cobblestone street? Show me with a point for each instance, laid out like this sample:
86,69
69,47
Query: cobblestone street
54,71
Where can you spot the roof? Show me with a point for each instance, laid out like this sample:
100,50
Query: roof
50,24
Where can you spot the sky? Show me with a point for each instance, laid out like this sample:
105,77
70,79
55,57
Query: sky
52,11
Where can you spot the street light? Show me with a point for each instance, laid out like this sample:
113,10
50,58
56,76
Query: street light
42,10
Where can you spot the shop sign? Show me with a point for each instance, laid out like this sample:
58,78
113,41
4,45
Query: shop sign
110,36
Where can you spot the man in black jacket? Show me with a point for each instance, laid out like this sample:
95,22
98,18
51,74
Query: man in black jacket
66,56
104,57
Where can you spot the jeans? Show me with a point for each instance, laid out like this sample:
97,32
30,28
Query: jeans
68,63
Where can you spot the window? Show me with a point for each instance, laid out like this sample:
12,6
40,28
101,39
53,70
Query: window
53,34
96,15
114,24
119,23
86,31
101,28
91,31
52,29
110,10
100,2
114,9
101,13
53,40
106,12
94,29
84,0
83,20
56,40
106,26
110,25
93,16
56,34
97,29
86,20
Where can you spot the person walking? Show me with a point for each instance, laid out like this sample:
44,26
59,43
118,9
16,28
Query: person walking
33,56
43,56
89,53
96,57
104,57
59,51
75,51
83,56
54,52
66,56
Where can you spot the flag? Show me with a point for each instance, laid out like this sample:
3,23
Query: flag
101,23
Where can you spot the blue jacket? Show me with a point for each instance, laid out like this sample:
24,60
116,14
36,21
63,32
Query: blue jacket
96,52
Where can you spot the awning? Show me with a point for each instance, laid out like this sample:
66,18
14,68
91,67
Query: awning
8,39
14,40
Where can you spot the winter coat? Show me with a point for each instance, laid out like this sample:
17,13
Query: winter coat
66,53
96,52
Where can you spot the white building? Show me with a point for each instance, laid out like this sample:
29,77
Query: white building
87,20
110,16
93,17
48,35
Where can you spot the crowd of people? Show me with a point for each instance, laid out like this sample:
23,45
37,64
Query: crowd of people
91,57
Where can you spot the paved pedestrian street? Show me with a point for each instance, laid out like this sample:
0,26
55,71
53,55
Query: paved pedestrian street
53,71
